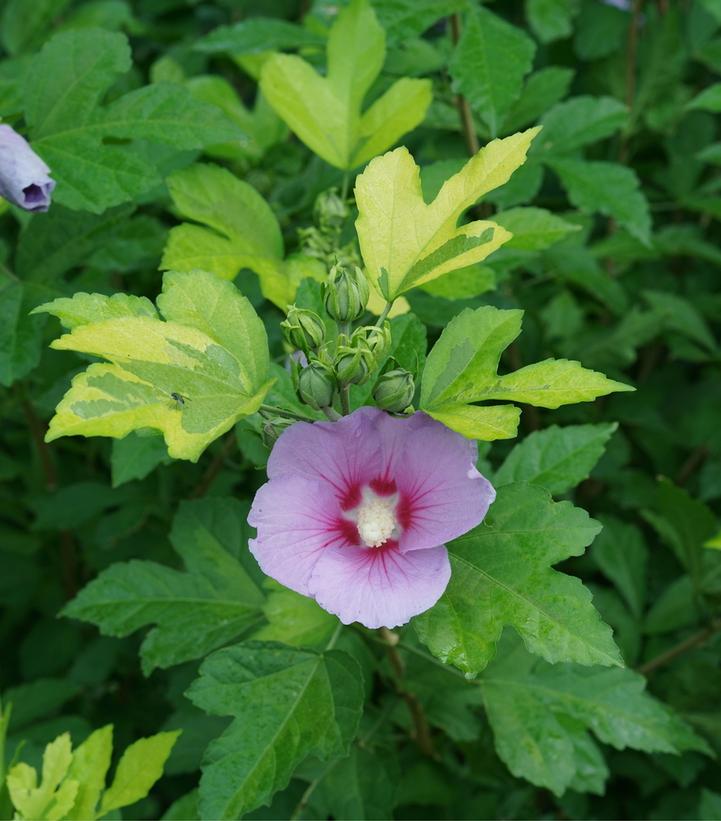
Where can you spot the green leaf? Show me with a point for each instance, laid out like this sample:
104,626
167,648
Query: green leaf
556,458
489,63
462,368
506,563
579,121
542,716
90,765
140,766
237,229
414,243
543,89
54,797
534,229
135,456
325,112
194,612
550,19
294,619
606,188
255,36
286,705
621,554
23,26
69,130
20,335
679,315
83,309
708,100
192,376
361,785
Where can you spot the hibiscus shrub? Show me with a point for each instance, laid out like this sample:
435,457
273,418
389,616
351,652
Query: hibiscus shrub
361,451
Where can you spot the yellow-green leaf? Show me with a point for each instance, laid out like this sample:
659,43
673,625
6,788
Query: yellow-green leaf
463,367
192,376
90,764
233,228
54,797
139,768
406,242
325,112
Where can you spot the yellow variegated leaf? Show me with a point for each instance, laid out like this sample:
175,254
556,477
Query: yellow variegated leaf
406,242
192,376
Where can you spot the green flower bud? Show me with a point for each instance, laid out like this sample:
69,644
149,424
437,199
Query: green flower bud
272,428
329,210
346,293
316,384
376,339
394,390
353,365
303,329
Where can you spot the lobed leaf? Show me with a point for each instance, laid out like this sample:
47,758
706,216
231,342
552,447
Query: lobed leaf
191,376
286,704
505,563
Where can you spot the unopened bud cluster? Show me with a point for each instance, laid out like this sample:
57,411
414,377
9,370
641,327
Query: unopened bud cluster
331,357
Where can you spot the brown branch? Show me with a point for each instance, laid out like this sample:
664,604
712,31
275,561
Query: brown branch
631,61
696,640
68,552
464,110
692,464
422,733
214,467
37,432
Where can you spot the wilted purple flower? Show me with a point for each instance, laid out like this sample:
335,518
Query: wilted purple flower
356,513
24,177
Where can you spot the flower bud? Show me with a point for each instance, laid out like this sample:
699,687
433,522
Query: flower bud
376,339
346,293
353,365
24,177
317,384
272,428
394,390
303,329
329,210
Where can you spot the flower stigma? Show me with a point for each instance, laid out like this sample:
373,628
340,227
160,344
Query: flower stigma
375,518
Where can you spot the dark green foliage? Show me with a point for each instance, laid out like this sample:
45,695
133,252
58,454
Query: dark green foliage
572,669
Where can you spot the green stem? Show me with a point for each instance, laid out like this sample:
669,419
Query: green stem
280,412
345,399
344,187
382,318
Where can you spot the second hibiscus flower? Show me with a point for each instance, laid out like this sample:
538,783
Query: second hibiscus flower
356,513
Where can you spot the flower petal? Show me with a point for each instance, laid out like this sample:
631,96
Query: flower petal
297,520
343,454
442,495
379,587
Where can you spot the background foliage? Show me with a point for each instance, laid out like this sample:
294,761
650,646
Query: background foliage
160,121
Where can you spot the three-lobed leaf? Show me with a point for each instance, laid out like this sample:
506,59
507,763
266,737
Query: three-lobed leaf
406,242
286,704
326,112
191,376
462,368
501,575
216,600
542,717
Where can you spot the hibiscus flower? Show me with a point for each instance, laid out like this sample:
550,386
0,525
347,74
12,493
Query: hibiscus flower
356,513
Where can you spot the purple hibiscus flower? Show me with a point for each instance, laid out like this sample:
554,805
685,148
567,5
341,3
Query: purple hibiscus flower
24,177
356,513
